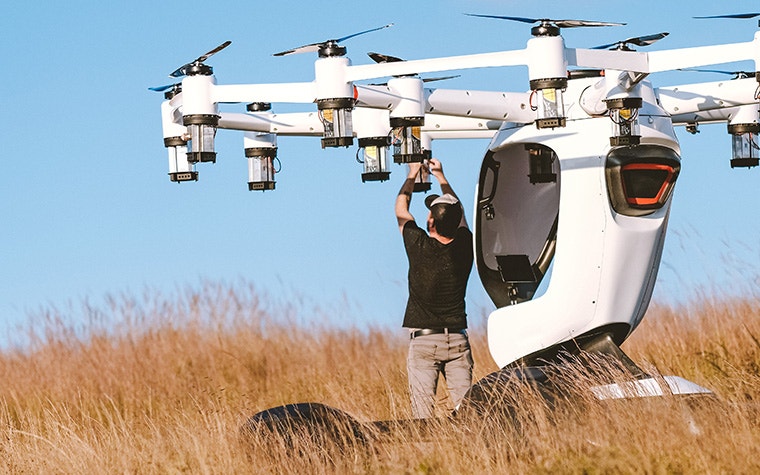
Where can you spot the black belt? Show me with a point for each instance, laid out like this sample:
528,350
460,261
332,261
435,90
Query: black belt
438,331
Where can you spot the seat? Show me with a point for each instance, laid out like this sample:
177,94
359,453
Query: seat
516,269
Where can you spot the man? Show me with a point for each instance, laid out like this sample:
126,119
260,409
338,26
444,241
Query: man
439,266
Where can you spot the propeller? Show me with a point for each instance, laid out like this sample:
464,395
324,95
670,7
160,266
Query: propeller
742,16
638,41
183,70
385,58
169,90
735,74
163,88
546,22
327,44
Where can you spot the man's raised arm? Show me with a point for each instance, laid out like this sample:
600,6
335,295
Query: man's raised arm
436,169
405,196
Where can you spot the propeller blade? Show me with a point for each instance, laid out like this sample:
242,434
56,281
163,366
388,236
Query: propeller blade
499,17
313,47
736,74
162,88
581,23
705,70
182,70
608,45
737,15
558,23
383,58
441,78
364,32
301,49
648,39
213,52
638,41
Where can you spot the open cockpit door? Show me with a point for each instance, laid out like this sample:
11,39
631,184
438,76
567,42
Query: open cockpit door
516,220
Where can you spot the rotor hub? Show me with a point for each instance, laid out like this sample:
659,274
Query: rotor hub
545,29
173,91
331,49
199,69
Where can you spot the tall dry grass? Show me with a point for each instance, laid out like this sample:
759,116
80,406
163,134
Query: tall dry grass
157,384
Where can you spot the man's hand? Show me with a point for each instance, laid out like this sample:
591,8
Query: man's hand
436,168
414,170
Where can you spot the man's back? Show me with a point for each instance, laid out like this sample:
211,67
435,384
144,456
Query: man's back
438,275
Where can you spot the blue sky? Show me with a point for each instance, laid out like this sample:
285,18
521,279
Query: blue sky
87,209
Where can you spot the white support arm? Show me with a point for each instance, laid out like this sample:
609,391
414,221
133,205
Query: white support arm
503,106
308,123
301,124
246,122
510,106
705,117
670,60
460,134
377,97
657,61
694,98
296,123
447,124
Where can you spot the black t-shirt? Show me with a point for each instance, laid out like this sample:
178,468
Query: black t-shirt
438,276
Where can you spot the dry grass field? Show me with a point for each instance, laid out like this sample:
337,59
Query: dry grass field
163,385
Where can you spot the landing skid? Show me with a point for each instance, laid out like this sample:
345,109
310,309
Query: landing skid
593,366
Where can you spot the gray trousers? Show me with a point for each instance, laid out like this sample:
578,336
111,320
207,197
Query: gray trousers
434,355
